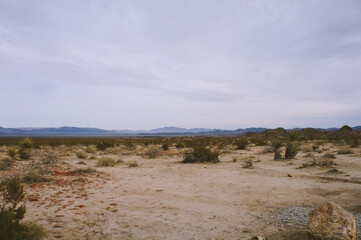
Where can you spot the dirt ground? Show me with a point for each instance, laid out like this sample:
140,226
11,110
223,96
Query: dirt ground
162,198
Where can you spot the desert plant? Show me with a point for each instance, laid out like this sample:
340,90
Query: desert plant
241,143
81,154
345,150
133,164
26,143
329,155
24,148
354,142
276,145
151,152
291,150
49,157
293,135
84,170
104,145
6,163
11,152
12,211
201,154
106,162
248,164
89,149
165,145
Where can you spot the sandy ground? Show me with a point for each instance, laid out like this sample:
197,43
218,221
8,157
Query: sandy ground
165,199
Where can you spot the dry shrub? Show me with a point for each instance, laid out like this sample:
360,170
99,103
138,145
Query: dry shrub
201,154
306,149
248,164
106,162
84,170
90,149
152,151
11,152
49,157
6,163
81,154
329,155
133,165
345,150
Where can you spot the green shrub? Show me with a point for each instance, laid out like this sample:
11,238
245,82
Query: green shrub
81,154
24,153
12,211
291,150
241,143
26,143
106,162
355,142
11,152
276,145
201,154
259,141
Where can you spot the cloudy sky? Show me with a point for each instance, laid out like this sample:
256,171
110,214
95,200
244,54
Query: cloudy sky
128,64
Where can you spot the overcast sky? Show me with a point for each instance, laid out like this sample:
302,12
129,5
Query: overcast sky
228,64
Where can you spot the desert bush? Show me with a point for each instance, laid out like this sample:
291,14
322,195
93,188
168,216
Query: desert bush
6,163
81,163
293,135
106,162
291,150
26,143
241,143
315,147
201,154
49,157
276,145
321,162
104,145
248,164
11,152
345,150
152,151
165,145
24,153
329,155
81,154
354,141
307,149
89,149
259,141
84,170
12,211
34,177
133,164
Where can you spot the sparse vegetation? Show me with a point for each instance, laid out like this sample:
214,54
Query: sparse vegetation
106,162
6,163
248,163
84,170
241,143
152,151
11,152
291,150
81,154
345,150
133,165
89,149
12,211
329,155
276,145
201,154
104,145
24,148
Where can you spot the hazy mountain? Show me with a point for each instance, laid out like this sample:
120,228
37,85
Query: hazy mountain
168,131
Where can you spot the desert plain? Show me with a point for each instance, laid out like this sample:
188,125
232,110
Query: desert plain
146,192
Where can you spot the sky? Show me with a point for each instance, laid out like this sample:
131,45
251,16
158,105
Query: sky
131,64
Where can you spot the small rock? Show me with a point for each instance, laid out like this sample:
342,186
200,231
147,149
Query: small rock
259,238
330,222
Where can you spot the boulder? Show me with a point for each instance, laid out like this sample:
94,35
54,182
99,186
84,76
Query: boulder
330,222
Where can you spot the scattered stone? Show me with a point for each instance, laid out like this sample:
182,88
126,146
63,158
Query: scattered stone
330,222
259,238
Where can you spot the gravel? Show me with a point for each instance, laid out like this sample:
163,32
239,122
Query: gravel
298,217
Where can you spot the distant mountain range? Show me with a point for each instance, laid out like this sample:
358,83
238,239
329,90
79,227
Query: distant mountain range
76,131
